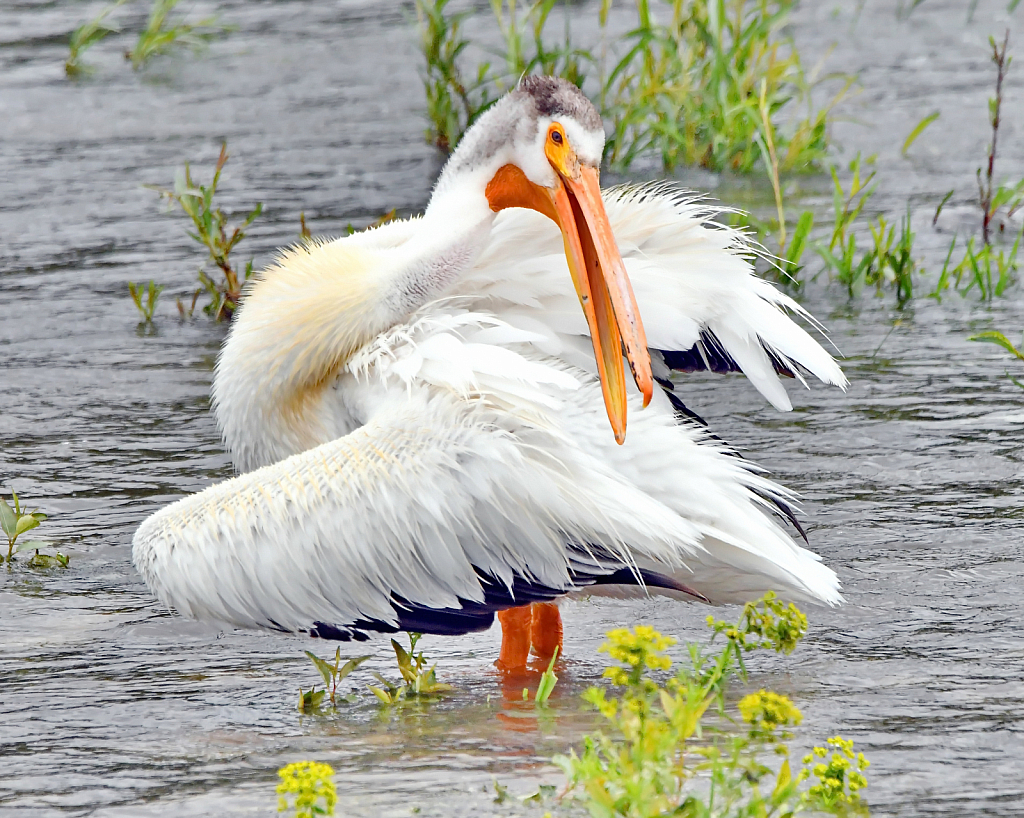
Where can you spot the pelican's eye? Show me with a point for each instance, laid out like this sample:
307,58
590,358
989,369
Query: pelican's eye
556,136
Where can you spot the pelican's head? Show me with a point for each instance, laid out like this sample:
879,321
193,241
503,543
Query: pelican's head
540,147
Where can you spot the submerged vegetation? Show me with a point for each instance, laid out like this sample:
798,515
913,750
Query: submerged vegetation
674,745
993,337
716,84
669,732
86,36
332,673
418,681
455,102
219,240
709,86
160,34
145,298
694,90
15,521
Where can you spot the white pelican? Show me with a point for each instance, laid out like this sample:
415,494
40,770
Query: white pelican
416,410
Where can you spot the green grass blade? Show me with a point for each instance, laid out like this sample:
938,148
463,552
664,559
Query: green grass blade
918,130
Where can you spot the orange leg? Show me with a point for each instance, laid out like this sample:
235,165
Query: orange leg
546,630
515,637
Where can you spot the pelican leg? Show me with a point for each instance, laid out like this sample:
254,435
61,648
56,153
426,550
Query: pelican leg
546,630
515,637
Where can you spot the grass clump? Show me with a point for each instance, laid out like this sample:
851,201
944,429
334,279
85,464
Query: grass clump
86,36
212,231
161,34
455,102
691,90
332,673
15,521
659,739
887,261
418,680
452,103
145,298
306,789
989,269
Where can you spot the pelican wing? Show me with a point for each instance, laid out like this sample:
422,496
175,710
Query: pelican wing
701,303
429,517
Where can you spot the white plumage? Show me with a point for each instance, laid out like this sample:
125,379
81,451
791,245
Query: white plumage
418,455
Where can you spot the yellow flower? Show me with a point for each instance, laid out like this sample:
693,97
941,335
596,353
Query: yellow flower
309,782
767,710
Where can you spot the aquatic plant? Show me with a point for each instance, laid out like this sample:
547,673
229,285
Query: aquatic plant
917,130
659,739
418,680
332,674
999,339
86,36
145,298
696,90
546,686
307,788
454,102
989,269
1004,195
212,232
16,521
160,35
888,261
548,680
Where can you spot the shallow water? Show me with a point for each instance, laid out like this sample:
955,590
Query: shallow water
110,706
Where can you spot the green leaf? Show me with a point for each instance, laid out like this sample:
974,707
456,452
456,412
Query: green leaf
310,700
784,779
26,523
8,519
918,130
325,669
389,685
350,665
384,696
942,204
404,662
32,544
1000,340
548,680
47,561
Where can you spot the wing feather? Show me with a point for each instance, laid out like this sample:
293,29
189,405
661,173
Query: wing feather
693,278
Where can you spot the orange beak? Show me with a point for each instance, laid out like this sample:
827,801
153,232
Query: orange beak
576,206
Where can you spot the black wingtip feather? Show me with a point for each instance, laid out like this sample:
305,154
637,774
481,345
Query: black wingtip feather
709,355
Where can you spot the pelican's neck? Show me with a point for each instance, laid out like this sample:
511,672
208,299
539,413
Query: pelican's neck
303,318
447,240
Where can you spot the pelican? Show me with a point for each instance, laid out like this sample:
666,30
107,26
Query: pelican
419,413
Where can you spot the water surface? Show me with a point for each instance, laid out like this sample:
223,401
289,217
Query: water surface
111,706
